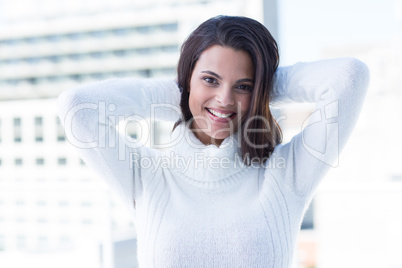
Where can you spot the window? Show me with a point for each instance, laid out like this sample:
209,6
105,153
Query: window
60,131
11,61
86,221
75,57
123,74
64,221
120,53
170,48
62,161
41,203
96,55
20,220
164,72
20,202
144,29
40,161
17,130
32,80
33,40
76,77
11,42
38,129
54,38
2,242
97,76
144,73
42,241
121,31
98,34
17,122
42,220
18,161
21,242
144,50
55,58
308,220
55,79
63,204
76,36
394,177
41,80
12,82
65,240
86,204
132,129
171,27
34,60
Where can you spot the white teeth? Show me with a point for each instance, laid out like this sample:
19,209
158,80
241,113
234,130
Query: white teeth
218,114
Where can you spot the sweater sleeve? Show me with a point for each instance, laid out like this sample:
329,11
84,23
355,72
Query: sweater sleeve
337,87
91,114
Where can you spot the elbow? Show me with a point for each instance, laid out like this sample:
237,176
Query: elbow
79,116
358,74
73,102
66,102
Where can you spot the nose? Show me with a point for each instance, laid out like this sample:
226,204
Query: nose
225,96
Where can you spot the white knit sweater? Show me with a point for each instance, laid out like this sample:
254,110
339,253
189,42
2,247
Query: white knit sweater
197,205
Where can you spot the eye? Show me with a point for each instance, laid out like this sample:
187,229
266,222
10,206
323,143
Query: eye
244,88
210,80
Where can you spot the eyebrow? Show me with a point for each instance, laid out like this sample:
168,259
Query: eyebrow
245,80
212,73
220,77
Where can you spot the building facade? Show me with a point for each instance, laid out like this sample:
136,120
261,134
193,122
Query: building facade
359,205
53,209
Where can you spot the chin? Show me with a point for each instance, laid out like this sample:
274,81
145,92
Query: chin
221,136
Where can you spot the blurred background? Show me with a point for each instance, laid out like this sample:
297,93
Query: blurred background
54,212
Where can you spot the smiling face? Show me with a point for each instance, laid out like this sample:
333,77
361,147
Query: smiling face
220,93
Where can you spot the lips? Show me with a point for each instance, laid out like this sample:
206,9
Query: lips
220,114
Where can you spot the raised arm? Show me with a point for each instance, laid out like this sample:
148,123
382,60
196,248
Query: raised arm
90,114
338,88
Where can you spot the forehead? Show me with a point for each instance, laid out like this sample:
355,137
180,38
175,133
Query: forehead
226,62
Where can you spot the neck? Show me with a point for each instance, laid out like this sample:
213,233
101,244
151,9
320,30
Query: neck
204,138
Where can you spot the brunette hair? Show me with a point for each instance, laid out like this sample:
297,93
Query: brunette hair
250,36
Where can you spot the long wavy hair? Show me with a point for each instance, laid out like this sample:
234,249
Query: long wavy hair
250,36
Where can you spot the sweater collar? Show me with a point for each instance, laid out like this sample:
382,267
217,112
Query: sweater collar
206,163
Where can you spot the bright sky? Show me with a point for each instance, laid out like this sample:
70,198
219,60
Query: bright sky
307,25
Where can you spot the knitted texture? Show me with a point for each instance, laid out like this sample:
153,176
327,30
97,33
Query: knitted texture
197,205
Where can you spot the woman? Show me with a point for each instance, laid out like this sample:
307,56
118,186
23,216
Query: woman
225,193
